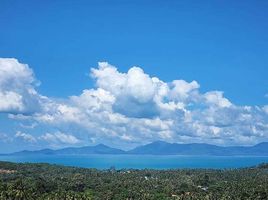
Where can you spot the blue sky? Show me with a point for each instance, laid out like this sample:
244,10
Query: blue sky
221,45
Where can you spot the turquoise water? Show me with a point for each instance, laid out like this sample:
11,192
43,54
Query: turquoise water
141,162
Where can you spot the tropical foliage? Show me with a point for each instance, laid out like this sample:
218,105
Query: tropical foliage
45,181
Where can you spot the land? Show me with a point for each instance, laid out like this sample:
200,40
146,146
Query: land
45,181
160,148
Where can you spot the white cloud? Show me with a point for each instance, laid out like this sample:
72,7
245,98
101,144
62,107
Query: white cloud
14,74
26,137
134,90
59,137
182,89
265,109
11,101
139,95
94,100
215,98
126,137
17,87
139,85
134,108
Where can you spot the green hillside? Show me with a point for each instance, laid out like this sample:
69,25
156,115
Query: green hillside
45,181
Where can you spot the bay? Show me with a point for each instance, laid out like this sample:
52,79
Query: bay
141,161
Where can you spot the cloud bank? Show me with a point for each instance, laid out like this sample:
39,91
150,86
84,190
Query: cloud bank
127,109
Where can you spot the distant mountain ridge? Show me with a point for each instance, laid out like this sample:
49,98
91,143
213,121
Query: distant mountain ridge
164,148
98,149
160,148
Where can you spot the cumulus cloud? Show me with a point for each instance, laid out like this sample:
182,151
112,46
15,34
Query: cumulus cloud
11,101
94,100
215,98
133,108
17,87
134,89
139,95
182,90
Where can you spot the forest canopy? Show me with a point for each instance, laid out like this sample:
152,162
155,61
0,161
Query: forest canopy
45,181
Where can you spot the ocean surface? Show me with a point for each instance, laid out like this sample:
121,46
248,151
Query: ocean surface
141,161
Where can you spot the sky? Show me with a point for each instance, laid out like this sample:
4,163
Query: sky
126,73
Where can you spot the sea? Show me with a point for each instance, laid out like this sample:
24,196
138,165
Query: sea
141,161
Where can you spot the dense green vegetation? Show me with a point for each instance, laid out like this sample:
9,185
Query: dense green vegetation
44,181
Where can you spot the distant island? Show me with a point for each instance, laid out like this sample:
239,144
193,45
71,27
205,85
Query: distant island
159,148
